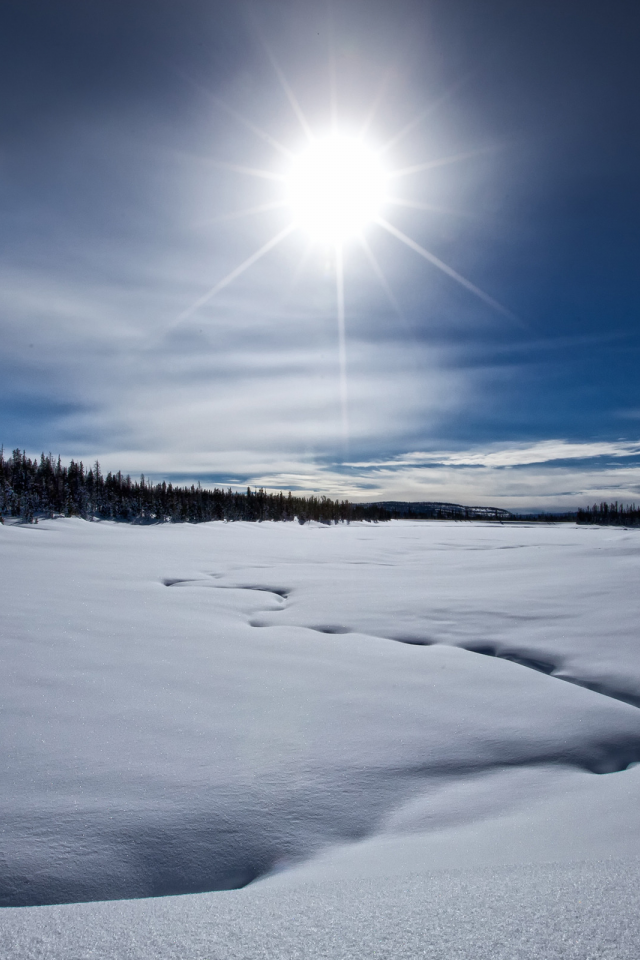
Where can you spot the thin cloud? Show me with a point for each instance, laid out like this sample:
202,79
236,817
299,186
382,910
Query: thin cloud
533,487
512,455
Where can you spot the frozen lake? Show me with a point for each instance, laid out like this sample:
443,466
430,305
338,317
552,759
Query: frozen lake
405,739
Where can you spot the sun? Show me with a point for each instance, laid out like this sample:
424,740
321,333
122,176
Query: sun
335,188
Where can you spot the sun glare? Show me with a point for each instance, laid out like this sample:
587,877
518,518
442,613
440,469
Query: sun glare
335,188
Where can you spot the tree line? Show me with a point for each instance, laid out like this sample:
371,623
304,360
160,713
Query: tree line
46,488
616,514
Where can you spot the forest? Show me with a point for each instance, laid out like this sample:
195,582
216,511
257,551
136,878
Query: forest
46,488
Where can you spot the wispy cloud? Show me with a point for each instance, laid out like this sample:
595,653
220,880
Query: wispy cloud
510,455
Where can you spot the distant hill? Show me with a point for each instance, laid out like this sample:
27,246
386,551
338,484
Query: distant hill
434,510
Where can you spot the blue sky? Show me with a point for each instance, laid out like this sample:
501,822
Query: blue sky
121,127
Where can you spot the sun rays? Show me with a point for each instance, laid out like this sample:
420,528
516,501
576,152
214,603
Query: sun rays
336,190
430,258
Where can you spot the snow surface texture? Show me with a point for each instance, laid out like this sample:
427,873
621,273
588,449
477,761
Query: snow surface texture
192,708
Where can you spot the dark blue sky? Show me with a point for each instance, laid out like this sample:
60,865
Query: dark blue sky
113,183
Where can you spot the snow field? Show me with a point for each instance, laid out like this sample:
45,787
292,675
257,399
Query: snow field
192,708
